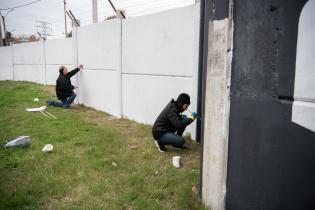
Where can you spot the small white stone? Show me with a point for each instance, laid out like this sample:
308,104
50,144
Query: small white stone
48,148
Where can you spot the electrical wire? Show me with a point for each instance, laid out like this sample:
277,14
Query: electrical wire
23,5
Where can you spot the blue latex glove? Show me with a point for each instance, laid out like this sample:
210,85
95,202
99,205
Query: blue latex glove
193,115
184,117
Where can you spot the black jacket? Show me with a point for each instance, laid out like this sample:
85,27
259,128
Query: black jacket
64,88
169,120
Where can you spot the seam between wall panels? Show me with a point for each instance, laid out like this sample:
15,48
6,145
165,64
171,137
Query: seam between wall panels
158,75
12,62
121,69
45,73
76,61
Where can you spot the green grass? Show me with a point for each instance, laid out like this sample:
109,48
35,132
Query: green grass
79,173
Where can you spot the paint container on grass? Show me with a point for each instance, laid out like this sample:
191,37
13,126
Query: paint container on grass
176,161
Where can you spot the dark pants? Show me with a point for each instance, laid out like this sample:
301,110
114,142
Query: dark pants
172,139
65,103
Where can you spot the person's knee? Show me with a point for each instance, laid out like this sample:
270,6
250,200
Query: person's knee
181,140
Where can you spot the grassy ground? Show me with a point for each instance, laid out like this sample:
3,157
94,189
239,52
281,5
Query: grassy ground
79,173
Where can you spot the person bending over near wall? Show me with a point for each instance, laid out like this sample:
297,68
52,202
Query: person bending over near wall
170,124
64,88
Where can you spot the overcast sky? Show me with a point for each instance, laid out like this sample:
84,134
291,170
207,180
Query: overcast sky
22,21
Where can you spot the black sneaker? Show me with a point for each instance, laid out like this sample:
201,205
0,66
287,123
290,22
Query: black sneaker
49,103
161,147
182,147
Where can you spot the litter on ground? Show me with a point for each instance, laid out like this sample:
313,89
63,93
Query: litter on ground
42,110
48,148
21,141
176,161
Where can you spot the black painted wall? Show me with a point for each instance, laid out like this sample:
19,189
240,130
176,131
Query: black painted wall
271,161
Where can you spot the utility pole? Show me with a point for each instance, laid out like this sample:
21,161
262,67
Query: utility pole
65,12
6,42
94,11
4,31
43,29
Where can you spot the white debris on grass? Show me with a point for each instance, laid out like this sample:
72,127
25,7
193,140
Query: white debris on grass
21,141
176,161
48,148
42,110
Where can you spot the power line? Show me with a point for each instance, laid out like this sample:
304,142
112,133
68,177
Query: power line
23,5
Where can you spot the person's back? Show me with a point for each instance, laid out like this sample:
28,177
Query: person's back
163,123
64,88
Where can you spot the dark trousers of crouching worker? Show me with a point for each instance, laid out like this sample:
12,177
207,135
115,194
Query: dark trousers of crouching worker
172,139
65,103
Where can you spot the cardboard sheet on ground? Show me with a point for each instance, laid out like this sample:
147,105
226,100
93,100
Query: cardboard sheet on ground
42,110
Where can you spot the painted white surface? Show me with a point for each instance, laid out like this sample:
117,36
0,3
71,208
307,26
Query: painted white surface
59,51
5,56
6,65
98,89
163,43
99,50
31,73
303,110
144,97
98,45
159,61
6,72
28,53
303,113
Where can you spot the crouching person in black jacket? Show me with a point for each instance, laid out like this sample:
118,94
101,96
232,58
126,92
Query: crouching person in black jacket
170,124
64,88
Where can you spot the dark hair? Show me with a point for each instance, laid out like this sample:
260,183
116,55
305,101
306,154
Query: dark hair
61,68
183,98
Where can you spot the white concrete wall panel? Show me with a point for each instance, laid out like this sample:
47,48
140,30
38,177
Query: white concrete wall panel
161,44
144,97
5,56
303,110
99,45
29,53
303,113
305,62
31,73
6,65
98,89
59,51
6,72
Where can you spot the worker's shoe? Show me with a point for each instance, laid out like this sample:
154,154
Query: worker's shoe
177,147
161,147
49,103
